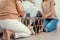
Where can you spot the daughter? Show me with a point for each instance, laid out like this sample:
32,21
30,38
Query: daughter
48,12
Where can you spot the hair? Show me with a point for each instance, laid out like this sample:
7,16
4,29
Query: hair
54,4
43,1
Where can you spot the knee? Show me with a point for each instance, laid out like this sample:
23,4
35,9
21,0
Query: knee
29,32
50,28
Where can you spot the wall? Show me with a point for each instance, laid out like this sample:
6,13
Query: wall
57,7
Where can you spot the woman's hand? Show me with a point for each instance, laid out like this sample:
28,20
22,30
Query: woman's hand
44,16
23,18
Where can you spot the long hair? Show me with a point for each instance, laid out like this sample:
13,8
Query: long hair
42,0
54,4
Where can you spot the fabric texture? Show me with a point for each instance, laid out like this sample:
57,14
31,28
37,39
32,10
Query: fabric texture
20,29
50,24
9,9
47,8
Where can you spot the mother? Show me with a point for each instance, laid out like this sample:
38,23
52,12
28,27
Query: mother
48,12
10,11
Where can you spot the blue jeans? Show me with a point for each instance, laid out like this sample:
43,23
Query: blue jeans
50,24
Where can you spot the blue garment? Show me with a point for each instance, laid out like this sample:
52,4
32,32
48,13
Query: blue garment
50,24
38,14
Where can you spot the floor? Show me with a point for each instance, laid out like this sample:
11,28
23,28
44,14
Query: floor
54,35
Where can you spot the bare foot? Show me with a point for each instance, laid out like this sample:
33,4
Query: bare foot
4,35
9,34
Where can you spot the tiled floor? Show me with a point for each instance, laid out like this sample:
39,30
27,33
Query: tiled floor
54,35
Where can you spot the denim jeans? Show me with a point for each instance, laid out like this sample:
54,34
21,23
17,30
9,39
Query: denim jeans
50,24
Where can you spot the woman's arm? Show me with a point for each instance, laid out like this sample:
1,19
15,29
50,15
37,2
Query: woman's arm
20,8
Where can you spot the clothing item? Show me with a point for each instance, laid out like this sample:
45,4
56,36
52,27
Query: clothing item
30,8
15,25
50,24
9,9
47,8
38,14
